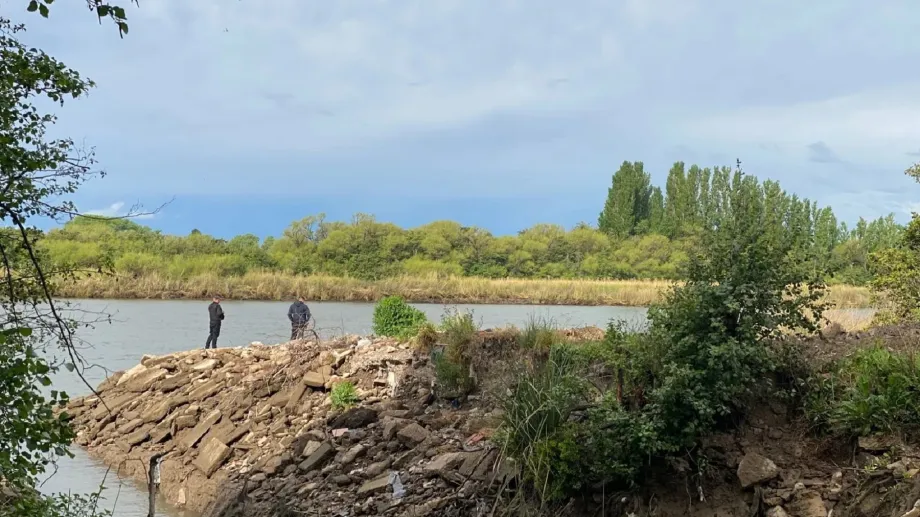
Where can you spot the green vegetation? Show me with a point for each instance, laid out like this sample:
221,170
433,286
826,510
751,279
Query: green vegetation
459,333
343,395
393,317
38,174
641,234
707,347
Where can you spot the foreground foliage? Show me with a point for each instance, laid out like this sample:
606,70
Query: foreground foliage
657,393
393,317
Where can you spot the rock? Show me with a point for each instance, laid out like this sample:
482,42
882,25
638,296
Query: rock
181,498
443,464
352,454
191,438
777,511
364,343
876,443
137,437
315,380
211,456
412,434
832,330
317,458
354,418
807,503
754,469
159,411
295,397
376,485
206,365
898,469
176,381
130,374
130,426
375,469
160,433
205,390
143,380
235,433
341,480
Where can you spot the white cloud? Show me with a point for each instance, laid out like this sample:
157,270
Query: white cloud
877,121
118,209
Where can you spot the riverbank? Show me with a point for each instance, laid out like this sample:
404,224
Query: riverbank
419,289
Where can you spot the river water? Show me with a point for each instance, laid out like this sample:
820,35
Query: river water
159,327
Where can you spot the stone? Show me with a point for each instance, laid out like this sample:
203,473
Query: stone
130,426
754,469
342,480
375,469
898,469
777,511
160,434
211,456
354,418
352,454
137,437
807,503
412,434
159,411
113,404
184,422
832,330
144,380
235,433
130,374
363,343
175,381
442,464
191,438
205,390
295,397
317,458
315,380
376,485
206,365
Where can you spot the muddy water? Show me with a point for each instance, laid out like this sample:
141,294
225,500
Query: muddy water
158,327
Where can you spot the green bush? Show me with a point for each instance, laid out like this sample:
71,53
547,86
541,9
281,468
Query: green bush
343,395
538,334
874,390
452,365
393,317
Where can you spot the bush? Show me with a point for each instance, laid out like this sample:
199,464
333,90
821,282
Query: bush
537,334
453,364
874,390
343,395
393,317
426,337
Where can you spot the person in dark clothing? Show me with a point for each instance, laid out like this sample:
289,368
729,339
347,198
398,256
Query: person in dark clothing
299,314
215,317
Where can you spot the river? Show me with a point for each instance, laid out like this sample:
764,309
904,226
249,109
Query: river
139,327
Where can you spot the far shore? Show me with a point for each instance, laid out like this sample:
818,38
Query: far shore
431,289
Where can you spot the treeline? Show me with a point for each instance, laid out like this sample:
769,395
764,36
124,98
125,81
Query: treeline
642,232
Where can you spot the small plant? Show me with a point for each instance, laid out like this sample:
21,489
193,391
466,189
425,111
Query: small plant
344,395
425,338
393,317
538,334
453,363
460,331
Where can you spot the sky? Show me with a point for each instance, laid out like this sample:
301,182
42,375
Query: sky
246,115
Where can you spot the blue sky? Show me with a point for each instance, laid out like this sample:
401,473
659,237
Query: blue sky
499,113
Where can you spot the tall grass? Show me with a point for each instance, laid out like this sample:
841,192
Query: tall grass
431,288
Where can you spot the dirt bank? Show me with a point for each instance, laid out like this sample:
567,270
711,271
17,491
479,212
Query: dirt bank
252,432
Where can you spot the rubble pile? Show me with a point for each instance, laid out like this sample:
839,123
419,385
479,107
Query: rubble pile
242,430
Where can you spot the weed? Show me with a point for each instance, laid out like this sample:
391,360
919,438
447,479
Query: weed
344,395
538,334
393,317
453,363
425,338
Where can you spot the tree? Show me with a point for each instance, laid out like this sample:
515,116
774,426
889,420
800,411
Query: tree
627,202
102,9
35,170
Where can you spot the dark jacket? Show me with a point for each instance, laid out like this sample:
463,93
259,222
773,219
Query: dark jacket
299,313
215,313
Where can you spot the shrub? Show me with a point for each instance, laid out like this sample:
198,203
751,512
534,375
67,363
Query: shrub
426,337
343,395
874,390
453,364
393,317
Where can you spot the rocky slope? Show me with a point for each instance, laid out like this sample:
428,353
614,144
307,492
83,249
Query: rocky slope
252,432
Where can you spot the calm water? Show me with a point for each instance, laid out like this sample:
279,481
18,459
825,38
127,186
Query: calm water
160,327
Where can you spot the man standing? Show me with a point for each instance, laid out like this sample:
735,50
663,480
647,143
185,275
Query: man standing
299,314
215,317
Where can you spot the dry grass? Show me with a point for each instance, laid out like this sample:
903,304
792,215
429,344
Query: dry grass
279,286
850,321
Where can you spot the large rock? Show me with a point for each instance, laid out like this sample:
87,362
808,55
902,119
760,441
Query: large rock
130,374
413,434
444,464
191,437
754,469
160,410
144,380
876,443
315,380
137,437
211,456
175,382
354,418
206,365
807,503
777,511
112,404
295,397
376,485
205,390
317,457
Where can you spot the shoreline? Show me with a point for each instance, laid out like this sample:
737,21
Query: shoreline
415,289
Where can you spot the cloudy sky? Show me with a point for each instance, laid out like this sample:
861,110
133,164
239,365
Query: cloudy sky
499,113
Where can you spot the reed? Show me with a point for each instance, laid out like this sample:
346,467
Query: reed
433,288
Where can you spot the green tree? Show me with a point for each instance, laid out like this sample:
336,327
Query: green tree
35,172
627,202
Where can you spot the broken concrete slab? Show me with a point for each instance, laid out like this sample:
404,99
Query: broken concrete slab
412,434
191,437
376,485
318,457
211,456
